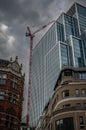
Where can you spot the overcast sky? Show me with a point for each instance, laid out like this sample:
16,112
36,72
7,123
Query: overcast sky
16,15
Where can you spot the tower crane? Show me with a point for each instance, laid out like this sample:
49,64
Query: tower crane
31,35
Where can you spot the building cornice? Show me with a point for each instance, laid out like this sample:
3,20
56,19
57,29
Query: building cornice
69,99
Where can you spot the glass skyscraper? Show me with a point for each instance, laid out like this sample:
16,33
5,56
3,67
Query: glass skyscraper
63,45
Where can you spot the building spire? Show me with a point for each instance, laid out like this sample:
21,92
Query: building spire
16,59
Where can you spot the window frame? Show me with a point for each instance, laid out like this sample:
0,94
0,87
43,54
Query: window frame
3,78
12,97
77,92
14,82
64,94
81,122
83,92
9,123
2,94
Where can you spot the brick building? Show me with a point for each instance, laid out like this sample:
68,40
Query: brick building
67,107
11,94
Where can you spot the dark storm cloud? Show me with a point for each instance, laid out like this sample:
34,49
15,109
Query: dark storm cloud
22,10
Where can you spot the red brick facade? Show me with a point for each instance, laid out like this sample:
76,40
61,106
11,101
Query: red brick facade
11,94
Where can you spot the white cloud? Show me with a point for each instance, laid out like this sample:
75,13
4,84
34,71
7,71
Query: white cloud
6,35
3,27
11,40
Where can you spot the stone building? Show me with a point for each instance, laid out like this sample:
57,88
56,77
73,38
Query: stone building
66,110
11,94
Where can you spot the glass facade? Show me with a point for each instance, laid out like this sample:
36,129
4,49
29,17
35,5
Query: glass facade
66,26
64,55
44,55
51,67
78,11
83,37
71,26
81,17
60,32
78,52
62,45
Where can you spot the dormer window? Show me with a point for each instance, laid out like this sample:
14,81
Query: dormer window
68,73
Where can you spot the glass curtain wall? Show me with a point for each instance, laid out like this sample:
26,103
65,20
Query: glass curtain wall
78,52
81,17
71,26
65,61
83,36
37,99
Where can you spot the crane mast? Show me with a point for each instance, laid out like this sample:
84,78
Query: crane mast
31,36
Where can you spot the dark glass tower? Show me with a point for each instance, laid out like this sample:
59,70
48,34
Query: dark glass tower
63,45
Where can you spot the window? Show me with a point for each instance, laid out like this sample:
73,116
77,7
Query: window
12,98
83,92
78,104
84,104
81,122
65,124
78,53
3,77
60,32
9,122
77,92
14,81
66,105
2,93
64,55
65,94
82,75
